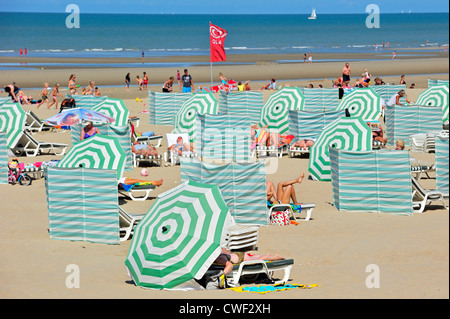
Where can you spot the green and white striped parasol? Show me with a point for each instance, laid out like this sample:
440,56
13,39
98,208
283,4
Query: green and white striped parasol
346,133
362,102
274,113
179,237
435,96
12,121
98,151
185,120
114,108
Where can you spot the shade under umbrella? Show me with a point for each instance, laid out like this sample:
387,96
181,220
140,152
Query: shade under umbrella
12,121
435,96
179,237
352,134
114,108
274,113
98,151
362,102
202,103
69,117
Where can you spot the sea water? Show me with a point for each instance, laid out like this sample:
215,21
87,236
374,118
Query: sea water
128,35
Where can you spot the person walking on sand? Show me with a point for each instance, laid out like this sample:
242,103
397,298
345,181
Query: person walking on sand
144,81
394,55
310,58
127,81
55,94
72,85
44,96
139,82
178,77
346,72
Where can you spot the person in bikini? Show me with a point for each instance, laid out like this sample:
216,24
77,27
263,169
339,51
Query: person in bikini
284,192
88,131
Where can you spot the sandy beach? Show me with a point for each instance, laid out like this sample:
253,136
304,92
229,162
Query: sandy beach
332,250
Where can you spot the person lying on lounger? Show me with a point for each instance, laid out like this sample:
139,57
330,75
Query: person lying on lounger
133,181
284,192
143,149
303,143
228,259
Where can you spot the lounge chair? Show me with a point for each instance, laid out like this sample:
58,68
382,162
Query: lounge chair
28,146
34,124
142,158
307,208
127,223
420,167
240,236
255,267
133,191
154,140
421,198
416,142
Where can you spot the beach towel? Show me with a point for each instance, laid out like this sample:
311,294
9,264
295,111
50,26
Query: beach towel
271,288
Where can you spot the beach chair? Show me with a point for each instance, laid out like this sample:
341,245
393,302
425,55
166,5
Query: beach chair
34,124
429,143
173,157
421,198
419,167
127,223
267,150
142,158
28,146
154,140
307,208
136,192
416,142
254,268
240,236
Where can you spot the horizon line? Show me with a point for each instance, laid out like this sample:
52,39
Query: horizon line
163,13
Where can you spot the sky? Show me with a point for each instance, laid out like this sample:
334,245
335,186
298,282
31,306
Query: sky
225,6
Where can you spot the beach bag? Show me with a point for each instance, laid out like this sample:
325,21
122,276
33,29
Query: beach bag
280,218
67,104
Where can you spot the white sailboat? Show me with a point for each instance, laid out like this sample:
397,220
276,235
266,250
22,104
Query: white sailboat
313,15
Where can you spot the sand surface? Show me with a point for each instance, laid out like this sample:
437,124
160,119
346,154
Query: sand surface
332,250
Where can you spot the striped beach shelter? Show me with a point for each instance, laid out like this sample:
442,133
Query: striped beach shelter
321,99
82,204
224,137
371,181
309,125
100,152
163,107
3,158
12,121
437,95
362,102
345,133
442,163
388,90
179,237
114,108
185,120
274,113
245,103
432,82
86,101
243,186
404,121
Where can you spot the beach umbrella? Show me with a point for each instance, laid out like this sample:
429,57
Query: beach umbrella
74,116
202,103
345,133
274,113
114,108
12,121
362,102
435,96
179,237
98,151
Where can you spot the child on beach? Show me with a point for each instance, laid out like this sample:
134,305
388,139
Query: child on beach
139,82
44,96
72,85
145,81
55,94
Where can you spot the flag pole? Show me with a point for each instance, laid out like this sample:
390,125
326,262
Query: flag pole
210,54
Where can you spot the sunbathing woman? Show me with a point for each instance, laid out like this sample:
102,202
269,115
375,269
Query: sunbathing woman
132,181
285,191
229,259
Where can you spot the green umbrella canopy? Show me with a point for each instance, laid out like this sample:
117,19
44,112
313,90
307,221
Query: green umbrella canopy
12,121
346,133
114,108
362,102
179,237
435,96
98,151
274,113
203,103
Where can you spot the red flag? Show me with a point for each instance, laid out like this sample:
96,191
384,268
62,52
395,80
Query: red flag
217,39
